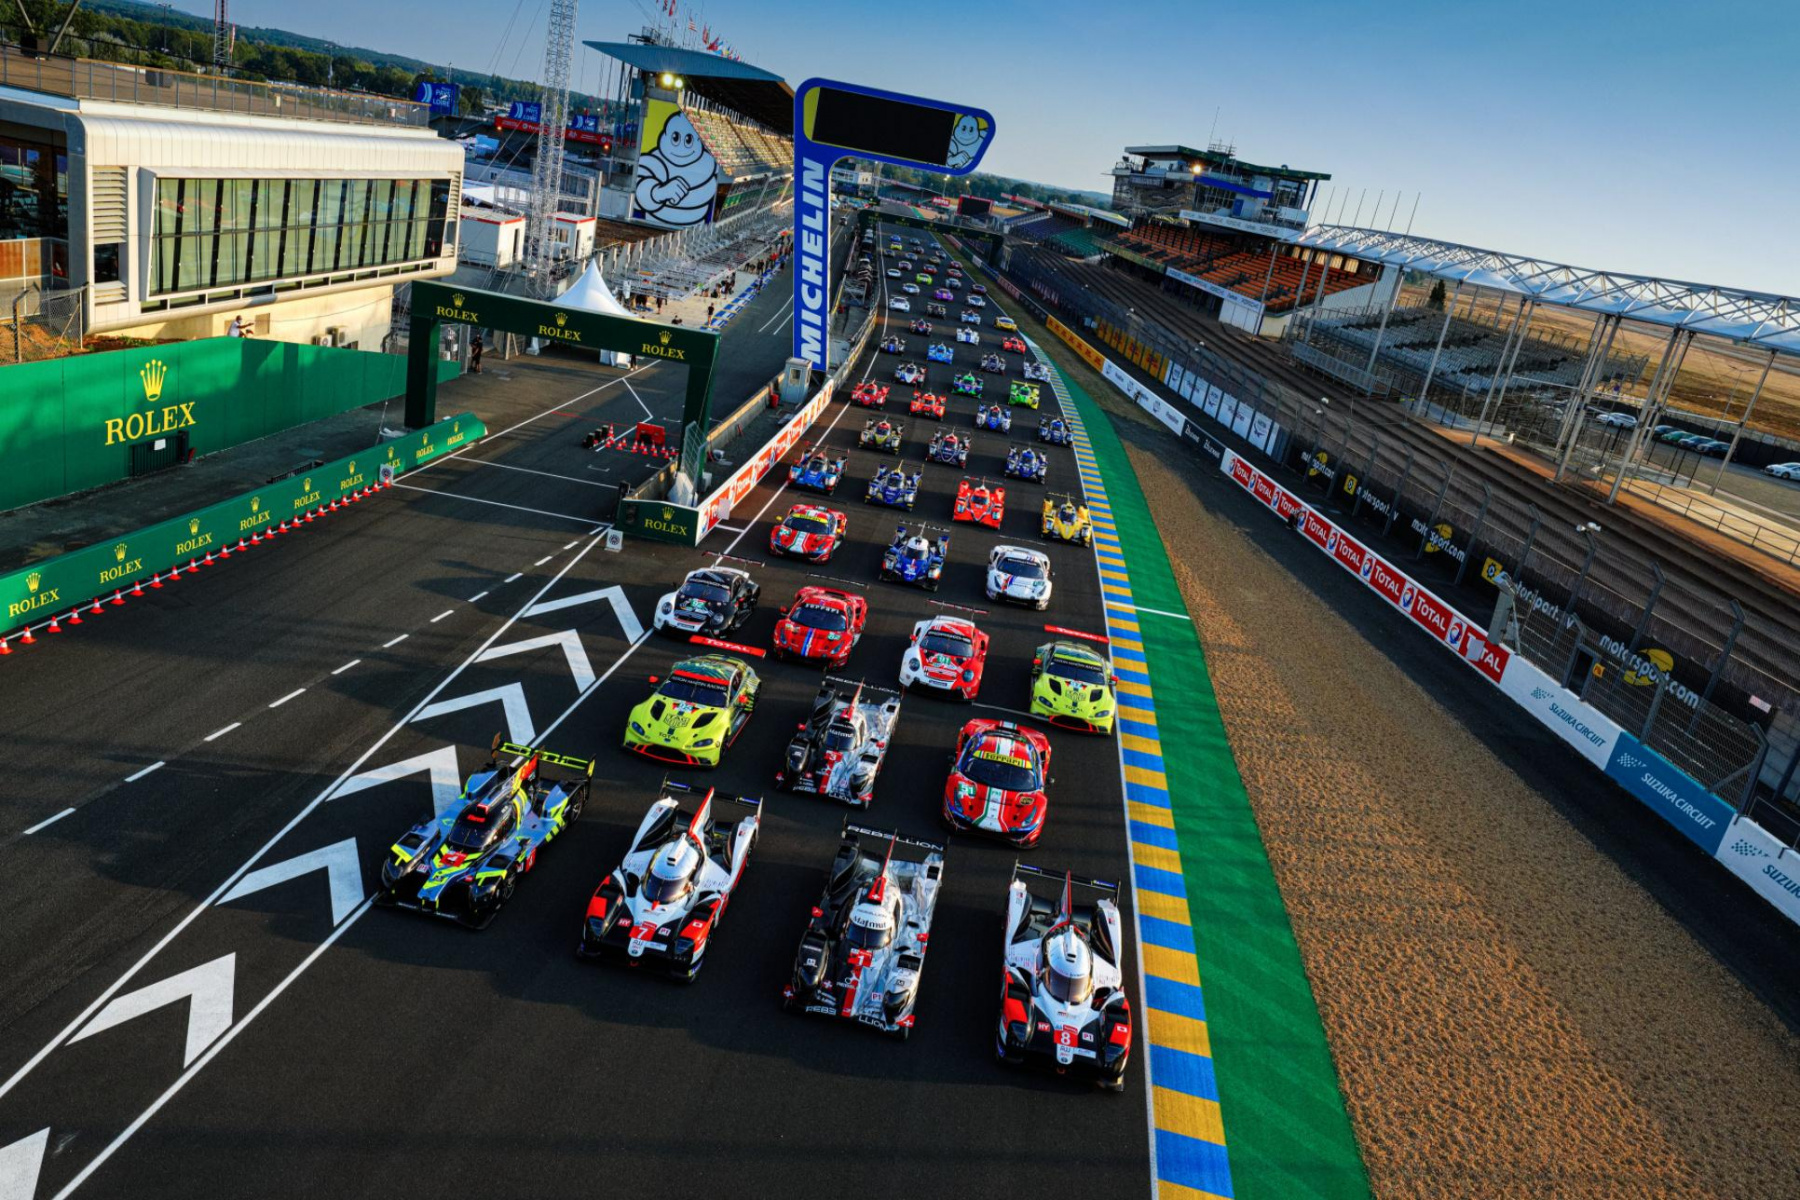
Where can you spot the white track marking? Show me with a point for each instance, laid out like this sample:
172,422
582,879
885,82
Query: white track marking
513,576
132,971
48,821
579,664
615,595
353,662
389,645
509,696
494,503
290,696
1155,612
729,528
447,612
488,462
572,545
540,562
153,766
640,401
216,734
208,990
343,875
20,1164
439,765
476,596
528,420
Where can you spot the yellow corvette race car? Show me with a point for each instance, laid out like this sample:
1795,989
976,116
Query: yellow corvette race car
1066,520
1072,686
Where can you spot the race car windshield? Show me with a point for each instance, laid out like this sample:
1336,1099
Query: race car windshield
840,737
947,643
814,616
475,832
1068,989
1024,568
916,553
712,695
665,891
1080,672
868,937
712,593
1008,765
807,525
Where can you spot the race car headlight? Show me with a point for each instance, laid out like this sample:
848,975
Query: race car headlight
912,660
703,743
968,674
1039,587
638,729
667,607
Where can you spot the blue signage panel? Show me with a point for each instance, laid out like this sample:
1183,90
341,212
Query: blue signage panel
441,97
1670,792
524,111
833,120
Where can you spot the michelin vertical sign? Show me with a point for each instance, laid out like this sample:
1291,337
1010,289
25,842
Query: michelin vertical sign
833,120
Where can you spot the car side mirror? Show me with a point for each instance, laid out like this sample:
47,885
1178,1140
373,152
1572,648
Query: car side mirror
654,679
783,610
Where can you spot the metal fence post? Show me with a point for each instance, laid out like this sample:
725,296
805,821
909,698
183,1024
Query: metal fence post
1399,490
1725,652
1637,635
1436,507
1487,498
1367,470
1537,521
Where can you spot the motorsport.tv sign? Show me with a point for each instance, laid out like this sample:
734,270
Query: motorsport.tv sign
833,120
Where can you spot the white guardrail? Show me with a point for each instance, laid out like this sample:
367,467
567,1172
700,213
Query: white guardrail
1745,848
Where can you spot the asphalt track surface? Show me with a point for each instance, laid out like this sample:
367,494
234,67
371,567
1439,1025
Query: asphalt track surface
189,1015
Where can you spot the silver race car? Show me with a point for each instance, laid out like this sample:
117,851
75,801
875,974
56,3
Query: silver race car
839,749
862,952
667,897
1065,1001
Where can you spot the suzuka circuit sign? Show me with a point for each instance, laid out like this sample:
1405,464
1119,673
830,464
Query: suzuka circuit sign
833,120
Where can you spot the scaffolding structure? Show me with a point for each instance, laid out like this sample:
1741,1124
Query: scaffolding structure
547,164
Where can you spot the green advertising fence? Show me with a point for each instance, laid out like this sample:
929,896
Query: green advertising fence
70,423
54,586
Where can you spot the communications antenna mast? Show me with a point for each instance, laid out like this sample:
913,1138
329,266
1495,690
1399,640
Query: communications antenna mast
221,33
547,168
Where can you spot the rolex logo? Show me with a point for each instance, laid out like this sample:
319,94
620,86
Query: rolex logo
456,298
119,552
668,514
194,525
456,427
153,373
664,337
562,319
306,484
256,504
353,466
31,582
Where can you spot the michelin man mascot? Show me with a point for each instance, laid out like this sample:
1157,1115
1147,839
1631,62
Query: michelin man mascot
679,179
965,140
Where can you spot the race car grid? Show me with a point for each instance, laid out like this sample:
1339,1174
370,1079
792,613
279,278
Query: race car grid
263,930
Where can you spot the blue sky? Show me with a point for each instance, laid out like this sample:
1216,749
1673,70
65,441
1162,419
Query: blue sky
1650,137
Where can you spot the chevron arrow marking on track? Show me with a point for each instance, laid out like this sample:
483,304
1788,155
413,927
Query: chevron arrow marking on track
621,607
510,696
440,764
568,639
339,861
20,1163
207,988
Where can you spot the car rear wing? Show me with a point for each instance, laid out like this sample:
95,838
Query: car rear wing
891,835
1103,888
671,786
582,766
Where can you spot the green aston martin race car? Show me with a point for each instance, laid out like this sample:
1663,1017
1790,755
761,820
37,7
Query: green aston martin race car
697,711
1072,686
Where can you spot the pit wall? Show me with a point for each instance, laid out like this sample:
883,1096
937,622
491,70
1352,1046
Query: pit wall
69,424
54,587
1712,823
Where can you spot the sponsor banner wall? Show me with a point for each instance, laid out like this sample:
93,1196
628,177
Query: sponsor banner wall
1091,356
1594,737
1671,793
744,480
55,585
1758,858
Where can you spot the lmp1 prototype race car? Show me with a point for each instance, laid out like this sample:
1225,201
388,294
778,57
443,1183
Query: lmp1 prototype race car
927,404
840,747
1035,372
1022,462
947,447
936,310
940,352
994,364
1006,323
947,654
969,316
1014,345
909,373
893,345
969,336
1020,575
883,435
922,326
894,486
815,471
669,894
982,503
1056,431
1072,686
944,294
1067,520
809,531
915,558
966,384
1064,1002
869,395
993,416
711,601
822,625
696,712
864,948
465,863
996,784
1022,393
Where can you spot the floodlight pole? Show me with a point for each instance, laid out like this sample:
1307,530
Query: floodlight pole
1449,313
1738,434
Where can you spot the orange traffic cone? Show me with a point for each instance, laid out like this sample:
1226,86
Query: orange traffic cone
118,597
156,579
75,616
137,588
53,627
25,638
96,607
4,648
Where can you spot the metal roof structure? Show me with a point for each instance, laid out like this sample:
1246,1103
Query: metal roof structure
1756,318
762,96
1220,158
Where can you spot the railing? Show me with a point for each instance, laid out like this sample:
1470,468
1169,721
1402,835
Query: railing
90,79
1780,542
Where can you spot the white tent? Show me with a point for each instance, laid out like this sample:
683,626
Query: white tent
590,294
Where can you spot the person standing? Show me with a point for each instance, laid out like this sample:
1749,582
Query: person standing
475,354
709,314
